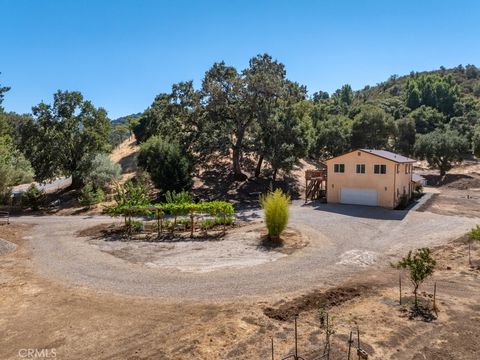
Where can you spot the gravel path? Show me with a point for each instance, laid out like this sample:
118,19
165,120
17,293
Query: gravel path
343,239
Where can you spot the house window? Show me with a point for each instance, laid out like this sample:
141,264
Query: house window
398,168
398,192
360,168
380,169
339,168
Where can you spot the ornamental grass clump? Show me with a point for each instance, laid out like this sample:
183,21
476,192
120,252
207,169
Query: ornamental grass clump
275,207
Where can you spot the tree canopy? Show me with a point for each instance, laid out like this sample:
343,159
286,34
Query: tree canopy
62,133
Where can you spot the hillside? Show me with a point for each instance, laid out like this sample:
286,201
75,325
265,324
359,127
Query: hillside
467,78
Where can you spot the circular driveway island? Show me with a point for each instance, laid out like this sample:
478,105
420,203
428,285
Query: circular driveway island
342,240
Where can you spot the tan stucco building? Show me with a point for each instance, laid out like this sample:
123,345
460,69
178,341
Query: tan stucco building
369,177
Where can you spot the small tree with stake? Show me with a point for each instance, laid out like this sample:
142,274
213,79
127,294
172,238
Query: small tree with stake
473,235
421,265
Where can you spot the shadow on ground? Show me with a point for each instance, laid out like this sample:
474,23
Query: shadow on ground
360,211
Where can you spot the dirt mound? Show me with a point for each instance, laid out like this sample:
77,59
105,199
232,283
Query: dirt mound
315,300
455,181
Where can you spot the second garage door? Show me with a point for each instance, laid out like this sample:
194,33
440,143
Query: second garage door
359,196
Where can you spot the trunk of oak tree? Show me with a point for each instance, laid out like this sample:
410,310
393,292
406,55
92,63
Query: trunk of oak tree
236,158
259,166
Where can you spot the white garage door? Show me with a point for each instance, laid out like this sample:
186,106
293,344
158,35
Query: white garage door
359,196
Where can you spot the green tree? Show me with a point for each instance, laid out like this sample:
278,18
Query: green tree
405,136
63,133
169,169
372,128
226,120
320,96
476,141
14,168
344,95
3,90
33,198
427,119
437,91
420,265
171,116
441,148
290,134
473,235
265,86
332,136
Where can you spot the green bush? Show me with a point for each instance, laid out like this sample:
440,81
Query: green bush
14,168
101,172
169,169
209,223
275,206
135,225
404,201
6,197
172,197
90,196
33,198
418,192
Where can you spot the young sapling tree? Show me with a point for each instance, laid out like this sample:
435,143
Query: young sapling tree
473,235
420,265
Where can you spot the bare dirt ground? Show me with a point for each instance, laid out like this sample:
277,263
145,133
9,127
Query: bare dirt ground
80,323
240,247
457,193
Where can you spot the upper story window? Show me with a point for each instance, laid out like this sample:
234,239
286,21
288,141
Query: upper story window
360,168
379,169
408,168
397,167
339,168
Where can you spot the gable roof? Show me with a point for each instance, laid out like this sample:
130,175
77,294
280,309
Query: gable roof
390,156
381,153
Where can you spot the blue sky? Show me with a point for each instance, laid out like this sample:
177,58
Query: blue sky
121,53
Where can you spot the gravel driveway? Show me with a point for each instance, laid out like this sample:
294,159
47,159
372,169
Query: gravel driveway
343,239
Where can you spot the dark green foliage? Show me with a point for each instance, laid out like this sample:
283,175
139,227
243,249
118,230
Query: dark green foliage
320,96
476,141
3,90
344,96
290,134
372,128
441,148
332,136
33,198
420,265
439,92
14,168
62,134
172,115
169,169
427,119
405,136
89,195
